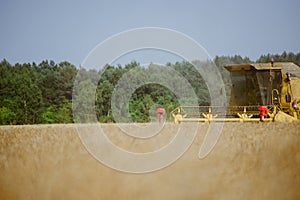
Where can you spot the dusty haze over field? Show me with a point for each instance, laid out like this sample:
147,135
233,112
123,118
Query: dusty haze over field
250,161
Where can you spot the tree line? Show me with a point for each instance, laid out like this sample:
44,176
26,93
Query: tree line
33,93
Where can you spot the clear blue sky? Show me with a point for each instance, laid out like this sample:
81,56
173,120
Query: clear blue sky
59,30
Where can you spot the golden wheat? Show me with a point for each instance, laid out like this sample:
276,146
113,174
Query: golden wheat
250,161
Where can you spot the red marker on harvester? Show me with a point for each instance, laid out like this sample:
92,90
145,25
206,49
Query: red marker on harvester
263,112
161,112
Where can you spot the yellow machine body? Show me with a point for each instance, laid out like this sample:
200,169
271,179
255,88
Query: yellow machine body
275,85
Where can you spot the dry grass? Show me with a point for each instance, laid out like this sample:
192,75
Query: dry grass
250,161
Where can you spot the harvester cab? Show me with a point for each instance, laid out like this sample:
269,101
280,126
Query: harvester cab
271,89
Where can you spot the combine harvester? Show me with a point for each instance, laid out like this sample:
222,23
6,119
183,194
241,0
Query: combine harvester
259,92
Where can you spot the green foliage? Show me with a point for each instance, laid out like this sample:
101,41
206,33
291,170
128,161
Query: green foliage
61,114
7,116
84,103
142,105
32,88
284,57
103,103
49,115
32,94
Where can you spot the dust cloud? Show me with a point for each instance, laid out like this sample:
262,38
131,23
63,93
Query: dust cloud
250,161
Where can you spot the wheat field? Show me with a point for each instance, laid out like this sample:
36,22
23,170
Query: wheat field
250,161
